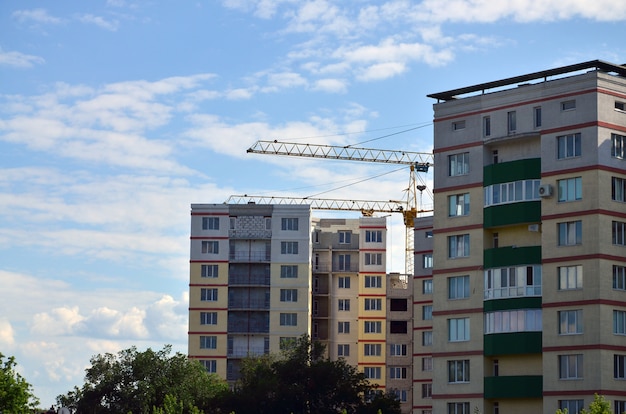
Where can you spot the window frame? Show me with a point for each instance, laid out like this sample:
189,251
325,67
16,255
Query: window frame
571,362
209,271
619,322
288,271
343,350
210,247
373,259
459,329
463,282
570,322
372,350
373,281
289,295
373,236
619,367
459,205
343,282
568,105
345,236
208,342
566,149
210,223
457,241
569,233
573,273
618,233
511,122
569,189
288,319
618,189
208,294
373,304
208,318
343,305
619,277
343,327
458,371
372,327
289,223
458,164
289,247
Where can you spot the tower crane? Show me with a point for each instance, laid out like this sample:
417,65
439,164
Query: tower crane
417,162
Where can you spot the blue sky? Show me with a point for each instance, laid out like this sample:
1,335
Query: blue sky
116,115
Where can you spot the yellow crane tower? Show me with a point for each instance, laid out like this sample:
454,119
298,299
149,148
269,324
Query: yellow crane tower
417,162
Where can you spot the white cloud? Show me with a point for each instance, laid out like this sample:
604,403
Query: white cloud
19,60
331,85
36,15
381,71
7,334
99,21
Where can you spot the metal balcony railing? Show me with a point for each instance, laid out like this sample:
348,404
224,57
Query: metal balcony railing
248,279
253,257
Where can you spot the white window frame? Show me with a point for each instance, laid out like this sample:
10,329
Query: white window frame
288,271
345,236
210,247
458,371
517,320
208,318
343,304
458,287
343,350
427,312
618,189
486,126
288,247
537,121
568,105
511,122
343,327
571,366
619,322
459,329
458,164
374,350
570,322
289,223
427,364
210,365
459,205
569,146
427,338
288,319
397,372
427,390
459,408
427,261
458,246
373,304
210,223
458,125
570,277
397,350
208,294
372,372
373,281
570,233
569,189
572,406
343,282
619,277
209,270
289,295
373,259
373,236
618,229
208,342
619,367
374,327
427,287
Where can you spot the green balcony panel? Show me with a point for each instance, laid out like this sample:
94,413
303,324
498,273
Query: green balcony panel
506,172
511,256
515,343
514,213
512,303
519,386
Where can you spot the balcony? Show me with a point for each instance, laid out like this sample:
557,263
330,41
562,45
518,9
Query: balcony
252,257
518,386
512,343
325,268
244,326
248,280
244,351
248,304
249,234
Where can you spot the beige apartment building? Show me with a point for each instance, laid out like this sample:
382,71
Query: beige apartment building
529,246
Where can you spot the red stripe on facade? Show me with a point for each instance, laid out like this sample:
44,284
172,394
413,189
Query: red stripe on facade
364,341
458,228
422,251
422,328
604,392
422,302
585,213
422,277
604,347
420,355
451,396
457,187
209,238
422,380
458,147
423,228
373,250
373,227
457,311
585,257
457,270
583,169
584,302
371,318
377,295
377,364
457,353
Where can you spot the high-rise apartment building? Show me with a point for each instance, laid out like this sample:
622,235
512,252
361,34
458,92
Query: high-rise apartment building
529,249
262,275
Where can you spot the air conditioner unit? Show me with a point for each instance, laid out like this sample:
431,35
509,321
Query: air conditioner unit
545,190
533,227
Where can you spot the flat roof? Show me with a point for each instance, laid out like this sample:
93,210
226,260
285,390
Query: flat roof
482,87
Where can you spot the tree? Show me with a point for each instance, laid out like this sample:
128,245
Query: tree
137,382
16,395
302,381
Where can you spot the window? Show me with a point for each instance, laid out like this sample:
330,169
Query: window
288,319
288,271
568,146
208,342
537,116
572,406
458,287
619,322
511,122
459,408
427,338
486,126
494,154
513,281
619,367
570,277
373,304
512,192
568,105
427,261
210,247
427,313
427,287
570,322
210,365
401,395
458,125
398,327
345,237
458,246
618,146
620,106
208,294
344,304
210,223
343,350
459,205
344,282
618,189
458,164
398,305
373,281
427,363
397,372
427,390
289,295
287,342
459,371
373,236
372,349
209,270
519,320
397,349
619,277
373,327
570,366
288,247
208,318
619,233
372,372
570,189
620,406
344,262
289,223
373,259
570,233
428,234
343,327
458,329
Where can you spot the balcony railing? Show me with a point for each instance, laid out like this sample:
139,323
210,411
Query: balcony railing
248,327
243,351
245,303
325,268
248,279
249,257
249,234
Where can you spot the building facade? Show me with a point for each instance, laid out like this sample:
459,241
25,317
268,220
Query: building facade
529,247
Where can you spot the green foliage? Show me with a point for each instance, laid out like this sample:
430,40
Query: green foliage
16,395
599,405
302,381
141,382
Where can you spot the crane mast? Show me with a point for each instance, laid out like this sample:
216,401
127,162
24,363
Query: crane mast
417,162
